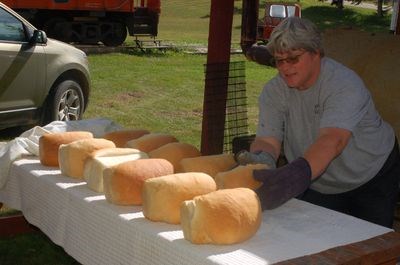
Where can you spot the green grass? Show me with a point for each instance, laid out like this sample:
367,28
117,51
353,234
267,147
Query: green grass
148,90
164,91
30,249
160,92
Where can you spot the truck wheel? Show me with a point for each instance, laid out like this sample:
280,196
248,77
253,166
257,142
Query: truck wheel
65,103
117,35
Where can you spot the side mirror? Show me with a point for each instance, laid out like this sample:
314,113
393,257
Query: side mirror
38,37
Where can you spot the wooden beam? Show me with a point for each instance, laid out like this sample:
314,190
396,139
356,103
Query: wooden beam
217,73
397,5
15,225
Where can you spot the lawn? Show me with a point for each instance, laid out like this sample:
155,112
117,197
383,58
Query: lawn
159,92
163,91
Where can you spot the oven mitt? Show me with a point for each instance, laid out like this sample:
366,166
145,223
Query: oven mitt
282,184
245,157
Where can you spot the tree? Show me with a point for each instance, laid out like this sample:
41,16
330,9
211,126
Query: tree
380,8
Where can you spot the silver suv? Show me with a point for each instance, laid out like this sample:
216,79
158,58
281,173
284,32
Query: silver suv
41,79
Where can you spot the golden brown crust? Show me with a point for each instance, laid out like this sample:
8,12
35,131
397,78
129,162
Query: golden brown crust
163,196
239,177
106,158
226,216
211,164
123,183
113,151
151,141
175,152
72,156
50,143
120,138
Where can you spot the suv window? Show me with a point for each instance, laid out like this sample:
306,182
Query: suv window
11,29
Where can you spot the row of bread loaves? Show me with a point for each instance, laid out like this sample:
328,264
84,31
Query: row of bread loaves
50,143
70,150
84,157
229,215
173,182
207,215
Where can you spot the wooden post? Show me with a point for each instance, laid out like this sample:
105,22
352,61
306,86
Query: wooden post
397,31
15,225
216,81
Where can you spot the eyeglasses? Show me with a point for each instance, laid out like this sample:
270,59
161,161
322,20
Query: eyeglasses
290,60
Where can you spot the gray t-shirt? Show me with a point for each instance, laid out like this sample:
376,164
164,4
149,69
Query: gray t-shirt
338,99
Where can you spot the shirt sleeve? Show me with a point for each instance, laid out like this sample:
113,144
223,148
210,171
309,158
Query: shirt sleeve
272,110
346,101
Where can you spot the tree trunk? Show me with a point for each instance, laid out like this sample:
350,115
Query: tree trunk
380,8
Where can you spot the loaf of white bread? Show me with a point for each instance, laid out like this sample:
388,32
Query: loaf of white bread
120,138
239,177
72,156
151,141
50,143
123,183
210,164
174,153
225,216
105,158
163,196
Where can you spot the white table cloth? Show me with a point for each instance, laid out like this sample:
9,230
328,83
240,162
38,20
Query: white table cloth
94,231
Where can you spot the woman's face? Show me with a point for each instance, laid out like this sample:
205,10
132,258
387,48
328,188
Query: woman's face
299,68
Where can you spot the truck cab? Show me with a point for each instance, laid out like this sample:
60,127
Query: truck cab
274,14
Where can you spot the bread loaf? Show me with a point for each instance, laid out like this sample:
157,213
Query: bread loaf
49,144
151,141
211,164
123,183
101,159
72,156
175,152
120,138
226,216
162,197
239,177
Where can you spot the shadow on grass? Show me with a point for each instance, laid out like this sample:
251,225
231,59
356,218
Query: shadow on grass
11,133
326,17
32,248
331,17
152,52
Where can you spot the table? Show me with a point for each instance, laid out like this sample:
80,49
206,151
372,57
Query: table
94,231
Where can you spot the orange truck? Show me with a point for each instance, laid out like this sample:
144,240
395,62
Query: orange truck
275,12
91,21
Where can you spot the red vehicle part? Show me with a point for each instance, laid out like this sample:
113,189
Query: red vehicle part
274,14
91,21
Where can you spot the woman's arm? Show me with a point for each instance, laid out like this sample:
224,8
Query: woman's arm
329,144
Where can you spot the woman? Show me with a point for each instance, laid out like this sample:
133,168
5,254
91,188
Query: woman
341,154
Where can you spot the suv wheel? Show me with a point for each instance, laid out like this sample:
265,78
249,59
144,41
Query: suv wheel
65,103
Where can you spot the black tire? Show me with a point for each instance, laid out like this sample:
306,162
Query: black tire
65,103
117,35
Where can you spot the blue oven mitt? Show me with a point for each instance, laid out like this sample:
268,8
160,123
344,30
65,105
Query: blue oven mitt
281,184
261,157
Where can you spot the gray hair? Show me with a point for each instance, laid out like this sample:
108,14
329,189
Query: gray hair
295,33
